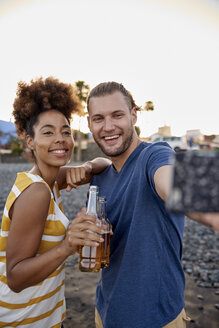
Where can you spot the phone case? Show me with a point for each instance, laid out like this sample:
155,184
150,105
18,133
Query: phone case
195,182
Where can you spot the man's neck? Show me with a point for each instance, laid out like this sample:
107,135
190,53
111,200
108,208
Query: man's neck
119,161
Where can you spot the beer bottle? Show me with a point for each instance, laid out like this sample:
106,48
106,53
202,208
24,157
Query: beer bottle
106,226
90,257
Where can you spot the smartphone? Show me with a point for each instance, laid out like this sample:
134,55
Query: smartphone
194,185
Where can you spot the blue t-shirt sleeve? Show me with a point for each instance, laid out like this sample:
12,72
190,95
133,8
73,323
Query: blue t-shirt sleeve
159,154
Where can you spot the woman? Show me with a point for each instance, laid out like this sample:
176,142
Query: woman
34,243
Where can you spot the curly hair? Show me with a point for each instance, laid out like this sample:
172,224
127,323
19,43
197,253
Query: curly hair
39,96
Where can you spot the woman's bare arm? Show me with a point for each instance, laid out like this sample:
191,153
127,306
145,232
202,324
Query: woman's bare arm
24,268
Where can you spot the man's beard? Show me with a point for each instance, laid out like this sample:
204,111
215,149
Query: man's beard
119,151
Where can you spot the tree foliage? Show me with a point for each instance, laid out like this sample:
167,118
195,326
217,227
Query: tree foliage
82,90
149,106
138,130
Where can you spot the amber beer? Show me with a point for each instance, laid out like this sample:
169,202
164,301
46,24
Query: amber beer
105,250
90,257
106,226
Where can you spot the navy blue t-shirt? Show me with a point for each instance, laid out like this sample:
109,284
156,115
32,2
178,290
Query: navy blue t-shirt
144,285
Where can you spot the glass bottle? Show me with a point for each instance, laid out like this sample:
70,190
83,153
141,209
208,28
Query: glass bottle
90,257
106,226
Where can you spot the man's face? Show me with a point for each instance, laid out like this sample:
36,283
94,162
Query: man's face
112,123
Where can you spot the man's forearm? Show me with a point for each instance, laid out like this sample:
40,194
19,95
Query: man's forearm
99,164
77,175
208,219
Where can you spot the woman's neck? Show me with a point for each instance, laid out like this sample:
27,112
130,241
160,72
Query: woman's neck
48,175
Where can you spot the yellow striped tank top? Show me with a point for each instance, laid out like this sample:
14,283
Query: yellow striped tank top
42,305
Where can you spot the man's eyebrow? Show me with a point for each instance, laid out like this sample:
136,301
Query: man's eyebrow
114,112
97,115
118,111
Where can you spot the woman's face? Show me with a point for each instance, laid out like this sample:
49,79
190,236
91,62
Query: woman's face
53,142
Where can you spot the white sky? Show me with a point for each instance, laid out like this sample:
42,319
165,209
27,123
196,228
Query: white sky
166,51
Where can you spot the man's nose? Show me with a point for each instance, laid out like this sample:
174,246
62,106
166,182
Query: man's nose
108,124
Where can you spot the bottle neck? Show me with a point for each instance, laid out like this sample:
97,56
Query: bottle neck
102,210
92,203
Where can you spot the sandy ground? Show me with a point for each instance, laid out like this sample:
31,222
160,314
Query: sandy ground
203,312
80,296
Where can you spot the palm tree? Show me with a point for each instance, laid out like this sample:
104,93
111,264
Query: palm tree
82,90
148,106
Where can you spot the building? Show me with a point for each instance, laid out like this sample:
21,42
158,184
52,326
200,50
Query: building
196,136
164,131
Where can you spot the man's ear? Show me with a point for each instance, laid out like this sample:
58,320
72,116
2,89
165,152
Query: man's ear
134,115
29,142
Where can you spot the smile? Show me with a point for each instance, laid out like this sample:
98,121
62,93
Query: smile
61,151
112,137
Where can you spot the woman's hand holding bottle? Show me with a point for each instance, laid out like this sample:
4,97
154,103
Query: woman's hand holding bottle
83,231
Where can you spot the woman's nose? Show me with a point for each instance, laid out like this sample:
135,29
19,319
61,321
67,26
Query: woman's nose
59,137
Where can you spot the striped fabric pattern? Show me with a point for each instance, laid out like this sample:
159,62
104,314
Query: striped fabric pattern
42,305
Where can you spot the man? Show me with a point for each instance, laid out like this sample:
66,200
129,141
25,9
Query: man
144,285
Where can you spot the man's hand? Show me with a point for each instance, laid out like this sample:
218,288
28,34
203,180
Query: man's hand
77,175
72,176
209,219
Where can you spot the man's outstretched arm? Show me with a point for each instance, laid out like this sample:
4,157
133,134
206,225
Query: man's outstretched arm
162,180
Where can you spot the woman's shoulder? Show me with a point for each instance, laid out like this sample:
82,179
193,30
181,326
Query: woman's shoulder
30,184
24,179
28,195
